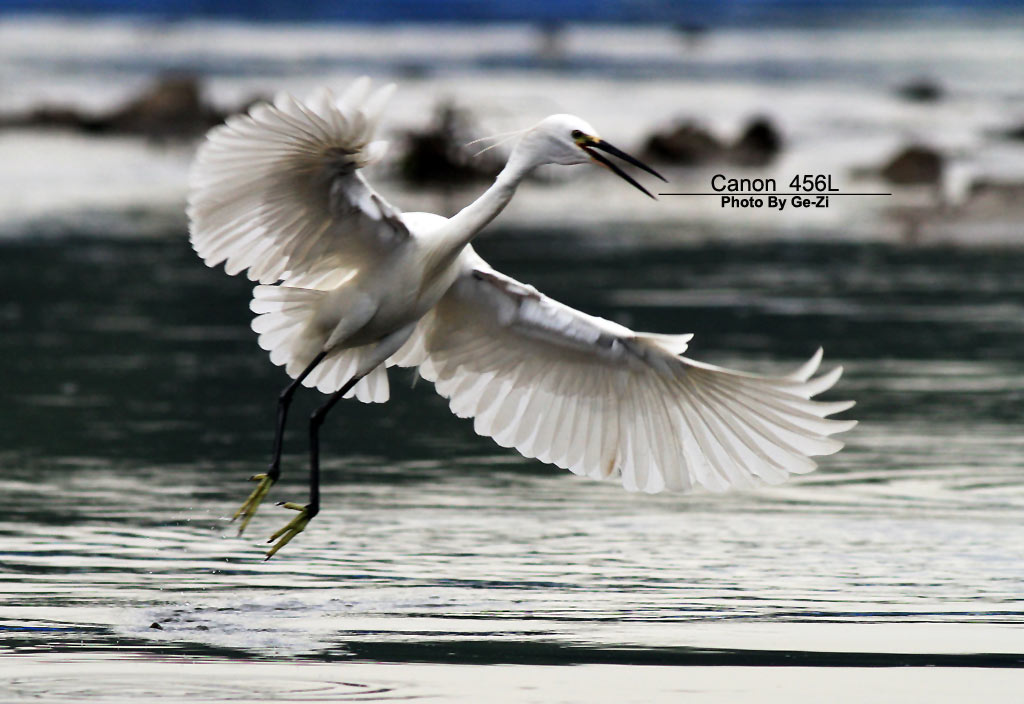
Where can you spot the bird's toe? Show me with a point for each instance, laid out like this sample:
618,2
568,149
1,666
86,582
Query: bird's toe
248,508
293,528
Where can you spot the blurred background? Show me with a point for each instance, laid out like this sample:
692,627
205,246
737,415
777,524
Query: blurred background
103,103
135,400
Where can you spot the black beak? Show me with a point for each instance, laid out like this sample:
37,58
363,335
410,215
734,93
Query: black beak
615,151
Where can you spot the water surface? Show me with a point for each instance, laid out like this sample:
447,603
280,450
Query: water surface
443,567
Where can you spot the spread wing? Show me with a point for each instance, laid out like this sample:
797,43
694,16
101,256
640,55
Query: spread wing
603,401
278,191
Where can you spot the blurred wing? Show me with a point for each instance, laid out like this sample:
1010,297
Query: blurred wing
277,192
603,401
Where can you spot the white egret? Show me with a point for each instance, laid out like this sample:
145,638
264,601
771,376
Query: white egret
349,285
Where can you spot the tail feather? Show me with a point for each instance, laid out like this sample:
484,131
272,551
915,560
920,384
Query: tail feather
339,366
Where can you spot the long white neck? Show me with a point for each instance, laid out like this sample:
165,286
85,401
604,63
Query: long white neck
468,222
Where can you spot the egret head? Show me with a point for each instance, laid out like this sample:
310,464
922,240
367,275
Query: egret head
567,139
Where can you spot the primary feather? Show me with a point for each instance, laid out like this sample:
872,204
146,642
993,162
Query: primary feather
594,397
277,193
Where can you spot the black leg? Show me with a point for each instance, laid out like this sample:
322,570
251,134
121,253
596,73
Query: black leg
384,348
315,421
248,509
307,512
283,402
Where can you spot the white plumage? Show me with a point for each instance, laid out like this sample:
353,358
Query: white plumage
350,285
603,401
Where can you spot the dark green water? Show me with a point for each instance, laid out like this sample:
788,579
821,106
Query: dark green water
136,402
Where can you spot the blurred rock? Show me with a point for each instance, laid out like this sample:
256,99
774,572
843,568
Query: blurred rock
759,144
172,107
914,165
991,211
689,144
686,144
1015,132
551,42
438,155
996,196
692,34
55,118
921,90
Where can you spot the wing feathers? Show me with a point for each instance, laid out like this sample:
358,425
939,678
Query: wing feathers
807,369
277,192
595,398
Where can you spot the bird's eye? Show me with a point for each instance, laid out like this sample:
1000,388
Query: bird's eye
576,134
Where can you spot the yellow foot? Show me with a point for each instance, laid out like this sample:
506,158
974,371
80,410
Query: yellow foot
248,509
294,527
